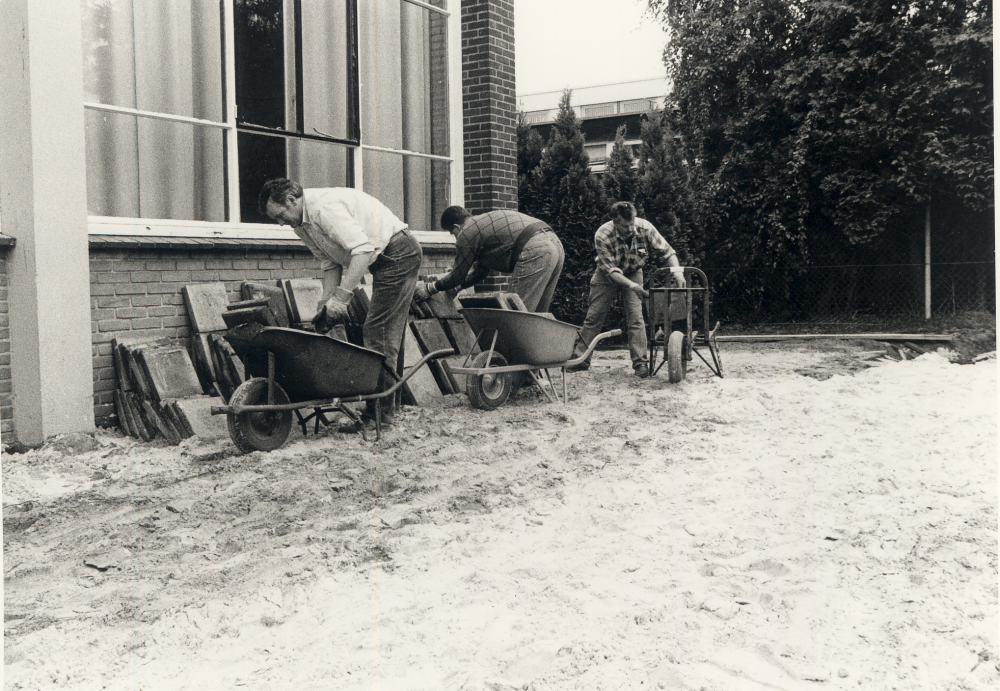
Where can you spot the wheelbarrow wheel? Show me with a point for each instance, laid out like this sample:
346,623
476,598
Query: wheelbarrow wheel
676,364
488,391
261,431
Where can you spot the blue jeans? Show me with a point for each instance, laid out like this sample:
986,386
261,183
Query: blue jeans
537,271
395,272
602,293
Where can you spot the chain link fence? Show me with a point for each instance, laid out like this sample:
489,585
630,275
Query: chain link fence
850,294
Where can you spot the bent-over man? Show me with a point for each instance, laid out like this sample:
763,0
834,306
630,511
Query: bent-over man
506,241
352,233
623,245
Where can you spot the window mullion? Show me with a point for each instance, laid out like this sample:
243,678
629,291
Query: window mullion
232,164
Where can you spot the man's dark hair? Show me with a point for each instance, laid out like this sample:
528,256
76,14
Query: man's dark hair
454,216
276,190
623,210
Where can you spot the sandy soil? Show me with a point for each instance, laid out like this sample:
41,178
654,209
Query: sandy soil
768,530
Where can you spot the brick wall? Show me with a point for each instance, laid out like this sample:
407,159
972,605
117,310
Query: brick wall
489,107
137,292
6,399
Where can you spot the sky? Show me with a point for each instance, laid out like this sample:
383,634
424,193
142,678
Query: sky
578,43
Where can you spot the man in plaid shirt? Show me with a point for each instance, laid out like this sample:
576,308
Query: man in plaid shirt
506,241
623,245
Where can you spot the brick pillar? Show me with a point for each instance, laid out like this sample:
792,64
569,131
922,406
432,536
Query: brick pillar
489,107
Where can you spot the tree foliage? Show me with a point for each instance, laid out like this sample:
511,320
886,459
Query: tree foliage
621,179
666,198
570,199
823,125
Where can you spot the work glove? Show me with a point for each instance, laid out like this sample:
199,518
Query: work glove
638,289
678,274
422,292
336,307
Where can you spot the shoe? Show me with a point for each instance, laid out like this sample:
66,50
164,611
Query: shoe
582,367
642,370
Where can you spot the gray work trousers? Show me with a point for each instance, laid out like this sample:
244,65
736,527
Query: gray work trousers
602,293
537,270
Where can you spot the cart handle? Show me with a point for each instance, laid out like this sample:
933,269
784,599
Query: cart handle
240,409
590,349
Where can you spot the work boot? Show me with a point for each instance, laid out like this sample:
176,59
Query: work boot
582,367
642,370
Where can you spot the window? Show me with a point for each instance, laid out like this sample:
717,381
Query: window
191,105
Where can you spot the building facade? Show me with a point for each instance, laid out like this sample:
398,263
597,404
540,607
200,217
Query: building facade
137,136
602,110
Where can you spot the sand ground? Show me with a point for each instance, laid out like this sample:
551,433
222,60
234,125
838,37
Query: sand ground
812,521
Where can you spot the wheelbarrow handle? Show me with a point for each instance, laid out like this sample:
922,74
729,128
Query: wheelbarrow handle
590,349
433,355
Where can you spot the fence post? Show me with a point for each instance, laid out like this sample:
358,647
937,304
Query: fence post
927,260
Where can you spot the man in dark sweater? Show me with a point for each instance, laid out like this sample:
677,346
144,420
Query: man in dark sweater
506,241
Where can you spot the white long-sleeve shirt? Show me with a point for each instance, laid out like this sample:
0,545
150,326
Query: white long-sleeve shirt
338,222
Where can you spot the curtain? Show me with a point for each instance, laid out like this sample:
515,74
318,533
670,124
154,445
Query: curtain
160,57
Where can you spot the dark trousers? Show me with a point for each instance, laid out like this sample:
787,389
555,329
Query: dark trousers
395,273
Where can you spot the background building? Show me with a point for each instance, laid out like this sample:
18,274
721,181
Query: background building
137,136
602,110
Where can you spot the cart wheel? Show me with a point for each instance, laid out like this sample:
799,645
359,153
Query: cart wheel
258,431
676,364
488,391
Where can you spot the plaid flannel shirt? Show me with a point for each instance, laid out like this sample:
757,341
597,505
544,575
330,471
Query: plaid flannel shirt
484,245
625,255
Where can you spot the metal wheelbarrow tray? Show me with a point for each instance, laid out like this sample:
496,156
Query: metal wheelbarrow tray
292,370
519,342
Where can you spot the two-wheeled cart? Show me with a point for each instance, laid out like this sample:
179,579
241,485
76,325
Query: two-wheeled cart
295,370
673,310
519,342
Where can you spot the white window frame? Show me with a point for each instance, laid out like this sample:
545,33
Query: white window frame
234,228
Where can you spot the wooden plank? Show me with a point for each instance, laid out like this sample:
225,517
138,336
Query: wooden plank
197,415
202,358
463,340
205,304
457,381
143,425
274,295
165,430
123,415
421,388
442,306
430,335
170,372
304,294
122,371
441,377
293,316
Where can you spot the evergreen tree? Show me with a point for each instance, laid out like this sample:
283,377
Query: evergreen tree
621,181
571,200
666,198
529,156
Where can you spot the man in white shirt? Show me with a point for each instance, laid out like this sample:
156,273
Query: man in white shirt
352,233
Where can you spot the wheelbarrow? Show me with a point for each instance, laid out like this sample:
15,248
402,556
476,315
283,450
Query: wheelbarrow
669,306
293,370
519,342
